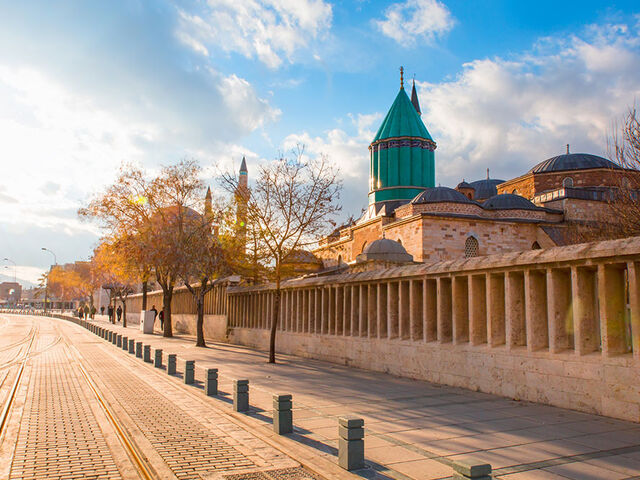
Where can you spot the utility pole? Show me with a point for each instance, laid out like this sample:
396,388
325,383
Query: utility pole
46,287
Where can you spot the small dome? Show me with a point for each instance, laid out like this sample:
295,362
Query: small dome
463,184
385,250
440,194
384,245
573,161
506,201
302,256
485,188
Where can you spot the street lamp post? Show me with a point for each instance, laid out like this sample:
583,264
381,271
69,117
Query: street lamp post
14,267
46,288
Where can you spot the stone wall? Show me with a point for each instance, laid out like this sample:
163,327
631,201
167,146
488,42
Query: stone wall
559,326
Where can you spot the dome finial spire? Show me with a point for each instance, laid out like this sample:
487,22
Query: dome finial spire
401,78
567,149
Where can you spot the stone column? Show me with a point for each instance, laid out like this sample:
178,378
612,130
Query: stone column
362,311
415,309
585,315
536,310
325,310
611,295
477,309
393,309
351,442
339,309
633,272
381,314
346,327
559,309
444,322
495,309
430,309
372,310
331,309
241,395
460,309
516,332
355,309
282,415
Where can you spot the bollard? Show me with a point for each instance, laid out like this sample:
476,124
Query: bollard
282,415
211,382
189,371
470,468
139,349
350,442
132,346
119,341
114,337
158,358
147,354
241,395
171,364
125,342
110,335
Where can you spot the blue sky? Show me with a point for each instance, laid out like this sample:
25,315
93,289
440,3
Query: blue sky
86,85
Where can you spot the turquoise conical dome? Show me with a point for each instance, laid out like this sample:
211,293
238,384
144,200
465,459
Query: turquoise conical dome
402,154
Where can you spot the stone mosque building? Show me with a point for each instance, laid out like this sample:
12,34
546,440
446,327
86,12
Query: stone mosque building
429,223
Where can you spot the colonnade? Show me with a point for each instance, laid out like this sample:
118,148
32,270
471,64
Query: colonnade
584,307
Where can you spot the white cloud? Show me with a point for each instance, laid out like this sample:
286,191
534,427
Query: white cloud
511,114
269,30
416,20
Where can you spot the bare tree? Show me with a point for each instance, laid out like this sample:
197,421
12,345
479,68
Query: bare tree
624,149
290,205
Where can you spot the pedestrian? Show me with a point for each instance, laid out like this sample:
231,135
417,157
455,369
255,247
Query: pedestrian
110,313
119,312
79,312
155,313
86,312
102,310
93,311
161,316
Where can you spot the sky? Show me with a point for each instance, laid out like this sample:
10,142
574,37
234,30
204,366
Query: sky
86,85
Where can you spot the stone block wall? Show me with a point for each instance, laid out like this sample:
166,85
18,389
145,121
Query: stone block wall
559,326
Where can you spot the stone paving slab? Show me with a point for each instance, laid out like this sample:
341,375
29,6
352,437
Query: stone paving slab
436,423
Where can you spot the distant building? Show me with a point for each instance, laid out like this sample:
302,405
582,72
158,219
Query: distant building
481,217
10,292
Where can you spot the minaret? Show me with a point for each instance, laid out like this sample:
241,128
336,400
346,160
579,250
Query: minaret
401,154
414,98
242,198
208,209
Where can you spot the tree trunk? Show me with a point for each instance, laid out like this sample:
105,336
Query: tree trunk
166,307
145,287
200,320
124,312
274,323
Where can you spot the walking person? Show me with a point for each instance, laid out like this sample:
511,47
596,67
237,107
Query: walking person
119,312
102,310
86,312
93,312
161,316
110,313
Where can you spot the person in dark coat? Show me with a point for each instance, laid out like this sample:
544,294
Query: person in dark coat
102,310
119,312
155,312
161,316
110,313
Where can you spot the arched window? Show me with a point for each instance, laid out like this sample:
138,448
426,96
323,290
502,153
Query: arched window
363,246
535,246
567,182
514,191
471,247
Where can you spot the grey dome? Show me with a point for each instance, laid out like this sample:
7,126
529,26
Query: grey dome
440,194
573,161
463,184
485,188
508,201
385,250
301,256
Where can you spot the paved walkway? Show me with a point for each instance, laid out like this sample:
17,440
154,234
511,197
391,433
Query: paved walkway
415,429
83,409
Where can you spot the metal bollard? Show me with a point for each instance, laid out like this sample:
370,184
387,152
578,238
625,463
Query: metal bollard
282,415
147,354
241,395
119,341
158,358
132,346
189,371
350,442
114,337
171,364
211,382
470,468
110,335
139,349
125,342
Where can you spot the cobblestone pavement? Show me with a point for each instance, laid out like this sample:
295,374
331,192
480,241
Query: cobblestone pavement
83,409
415,430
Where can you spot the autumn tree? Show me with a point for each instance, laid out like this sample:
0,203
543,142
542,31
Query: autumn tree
290,205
